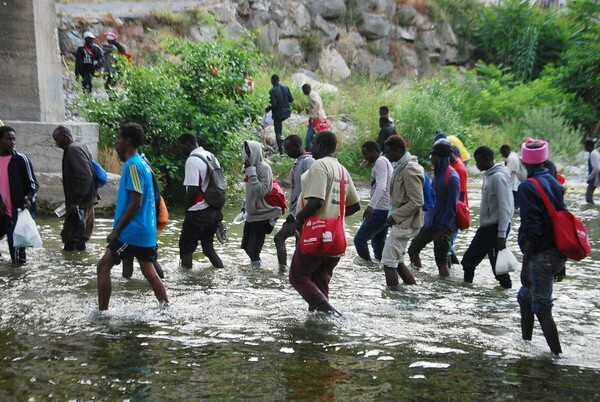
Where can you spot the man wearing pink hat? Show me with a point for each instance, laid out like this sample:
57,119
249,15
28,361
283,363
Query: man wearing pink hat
541,259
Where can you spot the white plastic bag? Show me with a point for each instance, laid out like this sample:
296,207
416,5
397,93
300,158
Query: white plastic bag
26,233
506,262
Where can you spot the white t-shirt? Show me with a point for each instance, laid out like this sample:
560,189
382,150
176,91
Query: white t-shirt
195,175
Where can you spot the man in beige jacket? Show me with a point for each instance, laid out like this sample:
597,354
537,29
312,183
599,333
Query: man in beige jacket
406,214
315,112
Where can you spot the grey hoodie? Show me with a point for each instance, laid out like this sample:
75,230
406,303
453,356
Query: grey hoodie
259,182
497,205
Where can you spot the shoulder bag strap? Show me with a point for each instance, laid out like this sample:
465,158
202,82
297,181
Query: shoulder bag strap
543,194
342,193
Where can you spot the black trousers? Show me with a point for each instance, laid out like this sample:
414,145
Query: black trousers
484,244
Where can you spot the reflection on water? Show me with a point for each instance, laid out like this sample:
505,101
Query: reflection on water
240,332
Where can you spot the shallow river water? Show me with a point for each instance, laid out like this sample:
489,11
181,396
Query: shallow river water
244,333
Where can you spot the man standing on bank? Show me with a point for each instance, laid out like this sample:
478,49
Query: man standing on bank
495,214
315,112
134,227
79,188
201,220
280,97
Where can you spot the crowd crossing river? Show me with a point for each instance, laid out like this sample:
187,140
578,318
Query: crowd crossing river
244,333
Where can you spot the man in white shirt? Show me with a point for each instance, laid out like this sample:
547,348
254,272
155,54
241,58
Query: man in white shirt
201,219
315,111
515,170
374,227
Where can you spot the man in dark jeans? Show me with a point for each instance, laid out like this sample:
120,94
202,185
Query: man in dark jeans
280,97
495,214
541,259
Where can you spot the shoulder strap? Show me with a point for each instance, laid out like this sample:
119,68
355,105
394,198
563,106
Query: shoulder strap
543,194
342,193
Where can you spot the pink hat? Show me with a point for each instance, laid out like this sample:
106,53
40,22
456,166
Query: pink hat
111,36
534,152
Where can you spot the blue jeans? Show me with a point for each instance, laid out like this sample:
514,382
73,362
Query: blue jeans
542,269
374,229
310,133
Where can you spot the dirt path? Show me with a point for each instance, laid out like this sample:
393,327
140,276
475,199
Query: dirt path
130,10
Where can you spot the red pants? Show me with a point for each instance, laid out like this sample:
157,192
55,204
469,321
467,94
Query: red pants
310,277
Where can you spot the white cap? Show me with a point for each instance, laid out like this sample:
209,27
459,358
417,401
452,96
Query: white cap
88,34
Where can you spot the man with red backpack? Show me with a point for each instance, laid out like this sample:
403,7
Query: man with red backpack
88,60
541,258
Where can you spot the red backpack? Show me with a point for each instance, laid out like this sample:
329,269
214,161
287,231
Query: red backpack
463,213
276,197
570,234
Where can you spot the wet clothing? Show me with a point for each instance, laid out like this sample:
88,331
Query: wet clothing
543,267
137,177
310,275
201,220
122,251
441,218
375,228
406,202
302,164
260,215
495,214
544,260
19,178
79,189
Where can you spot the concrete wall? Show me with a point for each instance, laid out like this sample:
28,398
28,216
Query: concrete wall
30,66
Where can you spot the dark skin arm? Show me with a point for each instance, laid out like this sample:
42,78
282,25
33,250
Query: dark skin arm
311,208
352,209
527,253
192,196
135,203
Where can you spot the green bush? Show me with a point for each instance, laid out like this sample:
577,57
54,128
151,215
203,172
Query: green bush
519,35
195,87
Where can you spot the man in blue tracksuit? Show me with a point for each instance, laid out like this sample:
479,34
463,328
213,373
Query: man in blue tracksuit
440,221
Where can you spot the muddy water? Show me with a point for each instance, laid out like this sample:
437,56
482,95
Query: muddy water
243,333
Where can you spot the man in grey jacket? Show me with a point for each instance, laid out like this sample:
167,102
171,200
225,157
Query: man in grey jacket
495,214
260,215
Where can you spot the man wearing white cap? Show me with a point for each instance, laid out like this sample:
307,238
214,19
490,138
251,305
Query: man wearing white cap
541,259
88,60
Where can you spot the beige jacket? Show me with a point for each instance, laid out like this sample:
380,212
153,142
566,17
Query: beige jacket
406,193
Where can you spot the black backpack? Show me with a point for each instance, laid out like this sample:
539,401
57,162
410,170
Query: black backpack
216,192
